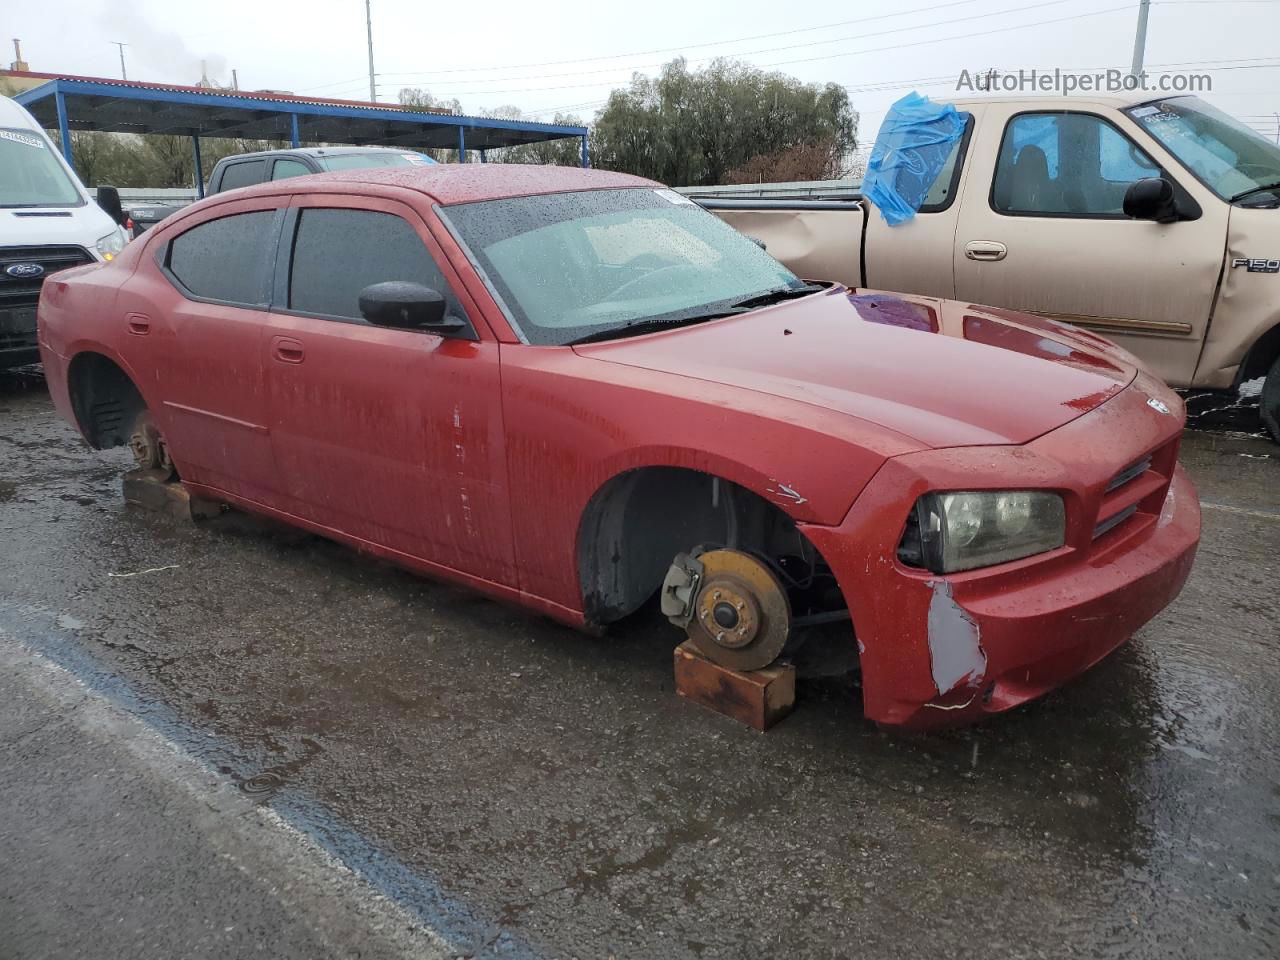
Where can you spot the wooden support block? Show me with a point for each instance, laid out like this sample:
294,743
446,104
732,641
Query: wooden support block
152,490
759,698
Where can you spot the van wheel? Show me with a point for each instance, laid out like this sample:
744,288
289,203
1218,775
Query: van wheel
1270,401
147,445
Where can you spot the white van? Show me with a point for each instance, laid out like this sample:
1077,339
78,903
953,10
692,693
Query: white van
47,222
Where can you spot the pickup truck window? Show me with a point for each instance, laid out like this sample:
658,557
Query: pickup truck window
1066,165
243,174
226,260
1226,156
337,253
286,168
570,265
943,190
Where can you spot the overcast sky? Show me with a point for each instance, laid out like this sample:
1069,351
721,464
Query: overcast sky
497,52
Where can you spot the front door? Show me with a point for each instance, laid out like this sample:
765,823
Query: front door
1050,236
392,436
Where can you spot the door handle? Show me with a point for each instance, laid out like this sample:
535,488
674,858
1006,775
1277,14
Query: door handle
985,250
138,325
287,350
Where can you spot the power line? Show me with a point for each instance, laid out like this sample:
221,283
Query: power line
750,53
830,56
713,43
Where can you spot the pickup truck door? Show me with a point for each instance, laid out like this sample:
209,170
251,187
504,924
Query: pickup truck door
1041,229
391,436
916,256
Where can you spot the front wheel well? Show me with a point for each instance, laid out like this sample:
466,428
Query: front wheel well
1261,356
639,520
105,401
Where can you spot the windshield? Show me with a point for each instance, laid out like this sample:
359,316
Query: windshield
30,174
361,161
1225,155
569,265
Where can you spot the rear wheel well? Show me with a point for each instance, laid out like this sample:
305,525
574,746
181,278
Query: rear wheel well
637,522
106,402
1261,356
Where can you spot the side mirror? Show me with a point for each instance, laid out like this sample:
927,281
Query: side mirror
409,306
1151,199
109,200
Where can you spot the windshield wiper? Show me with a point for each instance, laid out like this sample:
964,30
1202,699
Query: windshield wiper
637,327
1253,190
778,295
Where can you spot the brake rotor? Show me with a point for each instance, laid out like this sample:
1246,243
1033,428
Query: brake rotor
741,615
150,452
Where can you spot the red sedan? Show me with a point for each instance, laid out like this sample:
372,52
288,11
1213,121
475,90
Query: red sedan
576,390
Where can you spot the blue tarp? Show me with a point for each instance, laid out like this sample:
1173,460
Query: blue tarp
911,149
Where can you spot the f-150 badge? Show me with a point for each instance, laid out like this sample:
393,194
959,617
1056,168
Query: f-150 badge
1256,266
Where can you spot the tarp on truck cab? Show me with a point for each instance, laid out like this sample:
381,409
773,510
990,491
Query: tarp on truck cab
911,149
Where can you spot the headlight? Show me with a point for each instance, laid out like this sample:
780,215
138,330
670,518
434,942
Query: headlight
112,244
949,532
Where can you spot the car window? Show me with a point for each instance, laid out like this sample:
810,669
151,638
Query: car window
942,192
337,253
360,161
243,174
228,259
286,168
1066,164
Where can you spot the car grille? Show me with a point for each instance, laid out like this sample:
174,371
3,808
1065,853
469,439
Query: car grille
1139,489
24,291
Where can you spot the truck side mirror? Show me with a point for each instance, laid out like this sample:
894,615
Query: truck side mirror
1151,199
410,306
109,200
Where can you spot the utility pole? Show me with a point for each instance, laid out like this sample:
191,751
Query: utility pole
368,20
1140,38
123,74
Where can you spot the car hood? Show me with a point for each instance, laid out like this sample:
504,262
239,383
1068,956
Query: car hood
940,372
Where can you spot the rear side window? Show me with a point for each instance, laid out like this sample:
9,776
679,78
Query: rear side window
337,253
227,260
243,174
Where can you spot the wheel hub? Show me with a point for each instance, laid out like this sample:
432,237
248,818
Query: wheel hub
741,615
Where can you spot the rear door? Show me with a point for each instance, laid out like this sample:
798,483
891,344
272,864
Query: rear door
209,332
916,256
1042,229
391,436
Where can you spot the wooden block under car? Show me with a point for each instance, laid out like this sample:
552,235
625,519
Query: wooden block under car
759,698
153,490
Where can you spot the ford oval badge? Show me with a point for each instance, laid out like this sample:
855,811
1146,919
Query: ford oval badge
24,271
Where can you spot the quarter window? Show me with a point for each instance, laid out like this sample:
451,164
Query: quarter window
243,174
228,259
1066,164
337,253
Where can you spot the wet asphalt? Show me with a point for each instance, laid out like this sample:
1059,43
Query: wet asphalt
517,789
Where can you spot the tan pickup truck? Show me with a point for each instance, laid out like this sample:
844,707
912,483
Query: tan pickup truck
1155,223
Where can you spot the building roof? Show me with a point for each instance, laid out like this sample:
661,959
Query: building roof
129,106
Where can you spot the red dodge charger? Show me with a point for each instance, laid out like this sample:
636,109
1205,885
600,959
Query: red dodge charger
578,391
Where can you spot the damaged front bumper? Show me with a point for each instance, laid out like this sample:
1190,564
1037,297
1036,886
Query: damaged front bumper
947,650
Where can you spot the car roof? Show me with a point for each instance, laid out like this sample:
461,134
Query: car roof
449,183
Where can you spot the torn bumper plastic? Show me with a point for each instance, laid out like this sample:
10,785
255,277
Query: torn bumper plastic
947,650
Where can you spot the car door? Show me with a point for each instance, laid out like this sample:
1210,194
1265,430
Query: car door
1050,236
392,436
208,345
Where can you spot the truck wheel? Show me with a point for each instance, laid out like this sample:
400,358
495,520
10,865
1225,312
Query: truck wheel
1270,401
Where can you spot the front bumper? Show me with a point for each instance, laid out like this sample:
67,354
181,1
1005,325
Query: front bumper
18,336
942,651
